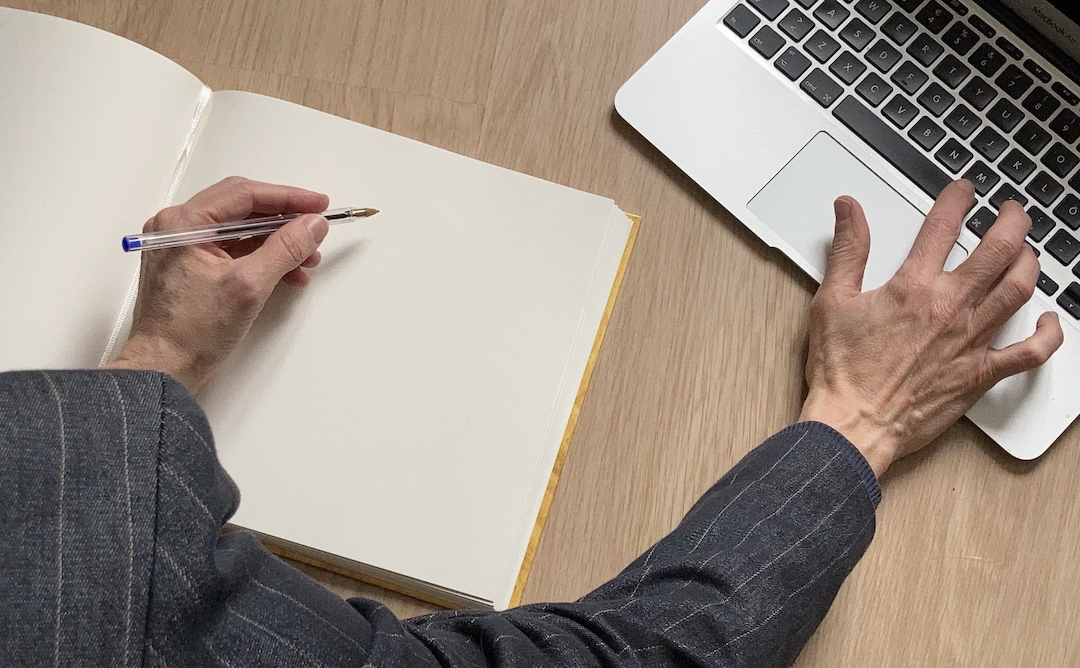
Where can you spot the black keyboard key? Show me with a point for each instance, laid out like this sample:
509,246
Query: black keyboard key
767,42
1047,284
990,144
979,93
936,99
796,25
847,67
925,49
987,60
1005,115
1063,247
981,221
900,111
1065,93
1008,47
1032,138
806,4
952,71
1070,300
873,10
883,56
1041,103
897,150
822,46
963,121
1045,189
770,9
792,63
934,17
1005,193
741,20
953,155
909,5
857,34
873,89
957,6
1037,71
1041,224
960,38
831,13
1014,82
1060,160
926,133
899,29
1066,125
1069,211
910,77
982,26
1017,166
982,177
822,88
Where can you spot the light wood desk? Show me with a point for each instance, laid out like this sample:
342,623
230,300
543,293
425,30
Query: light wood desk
977,557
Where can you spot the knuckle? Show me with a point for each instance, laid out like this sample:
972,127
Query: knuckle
234,181
165,219
243,287
294,249
1001,247
1017,290
940,223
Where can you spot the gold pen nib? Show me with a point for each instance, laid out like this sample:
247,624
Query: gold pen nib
362,213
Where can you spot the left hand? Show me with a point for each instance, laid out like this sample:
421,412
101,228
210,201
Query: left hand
196,303
892,368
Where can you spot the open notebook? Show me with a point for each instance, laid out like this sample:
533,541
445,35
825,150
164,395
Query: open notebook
400,419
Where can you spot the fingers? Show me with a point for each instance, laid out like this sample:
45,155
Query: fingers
940,230
997,251
287,249
1027,354
236,198
1009,294
850,249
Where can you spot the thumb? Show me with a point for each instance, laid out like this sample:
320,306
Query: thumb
849,252
287,248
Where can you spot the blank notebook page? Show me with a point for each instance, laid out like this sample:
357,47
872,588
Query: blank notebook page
405,409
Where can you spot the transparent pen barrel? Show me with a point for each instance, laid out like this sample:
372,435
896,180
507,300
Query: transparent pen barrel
217,232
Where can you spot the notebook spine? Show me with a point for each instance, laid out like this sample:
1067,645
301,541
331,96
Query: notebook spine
178,175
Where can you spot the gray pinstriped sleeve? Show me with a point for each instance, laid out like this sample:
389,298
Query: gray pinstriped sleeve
113,498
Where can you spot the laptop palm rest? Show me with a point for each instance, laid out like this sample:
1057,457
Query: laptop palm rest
797,205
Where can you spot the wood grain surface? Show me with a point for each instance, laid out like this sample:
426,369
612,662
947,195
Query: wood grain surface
976,557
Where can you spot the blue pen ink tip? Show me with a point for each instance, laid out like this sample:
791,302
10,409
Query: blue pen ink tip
130,244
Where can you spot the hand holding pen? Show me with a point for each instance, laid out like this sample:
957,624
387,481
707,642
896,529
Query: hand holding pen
195,303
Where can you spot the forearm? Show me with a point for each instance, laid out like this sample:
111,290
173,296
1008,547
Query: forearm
744,580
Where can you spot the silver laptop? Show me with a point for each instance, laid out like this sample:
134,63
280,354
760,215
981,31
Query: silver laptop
777,107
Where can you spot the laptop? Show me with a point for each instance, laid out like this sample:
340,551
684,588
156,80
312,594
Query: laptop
777,107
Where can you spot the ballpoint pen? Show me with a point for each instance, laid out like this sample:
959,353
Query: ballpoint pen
234,230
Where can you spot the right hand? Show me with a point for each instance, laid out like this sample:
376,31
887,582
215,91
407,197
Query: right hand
196,303
892,368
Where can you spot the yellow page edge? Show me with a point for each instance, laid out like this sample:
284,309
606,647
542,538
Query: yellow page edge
571,424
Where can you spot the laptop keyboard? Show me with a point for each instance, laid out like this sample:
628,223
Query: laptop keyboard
941,94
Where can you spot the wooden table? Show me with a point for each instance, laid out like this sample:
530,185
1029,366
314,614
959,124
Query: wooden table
976,558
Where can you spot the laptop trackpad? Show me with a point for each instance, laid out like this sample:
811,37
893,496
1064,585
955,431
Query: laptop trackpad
797,204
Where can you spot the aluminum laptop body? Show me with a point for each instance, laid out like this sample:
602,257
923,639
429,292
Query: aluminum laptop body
763,104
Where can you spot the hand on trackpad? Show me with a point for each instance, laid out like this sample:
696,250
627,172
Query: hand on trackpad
797,204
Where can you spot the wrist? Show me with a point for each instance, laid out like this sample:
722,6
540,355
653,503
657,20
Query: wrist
156,353
874,441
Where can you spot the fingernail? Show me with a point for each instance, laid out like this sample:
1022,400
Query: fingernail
842,208
318,227
967,186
